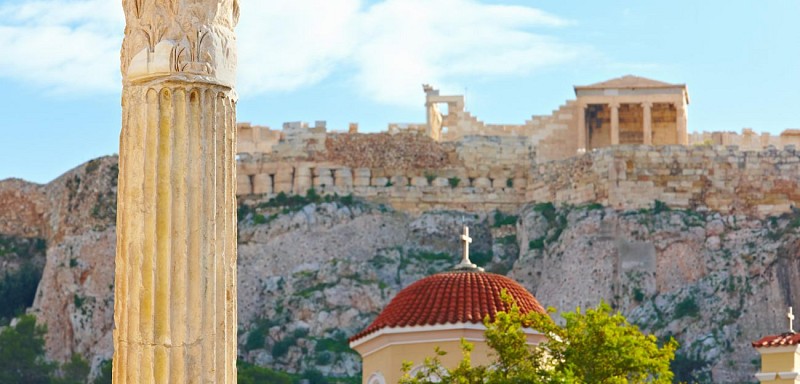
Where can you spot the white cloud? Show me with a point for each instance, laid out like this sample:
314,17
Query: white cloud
62,46
385,49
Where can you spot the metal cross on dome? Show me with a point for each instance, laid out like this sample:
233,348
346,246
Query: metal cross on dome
790,316
465,262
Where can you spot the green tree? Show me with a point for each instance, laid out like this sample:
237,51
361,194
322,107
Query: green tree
17,291
598,346
75,371
22,353
104,377
253,374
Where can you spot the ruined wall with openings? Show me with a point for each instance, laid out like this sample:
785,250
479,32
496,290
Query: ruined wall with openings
747,139
724,179
413,172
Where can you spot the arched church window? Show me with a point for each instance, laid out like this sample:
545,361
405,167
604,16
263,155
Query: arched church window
433,377
376,378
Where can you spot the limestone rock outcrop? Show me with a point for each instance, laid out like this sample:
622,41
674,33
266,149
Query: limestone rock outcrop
312,274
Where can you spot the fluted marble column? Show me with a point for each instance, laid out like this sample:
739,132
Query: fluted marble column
175,285
614,123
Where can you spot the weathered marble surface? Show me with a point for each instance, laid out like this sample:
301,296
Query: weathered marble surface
175,287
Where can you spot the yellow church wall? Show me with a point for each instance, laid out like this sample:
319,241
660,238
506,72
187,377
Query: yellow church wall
386,352
388,361
779,362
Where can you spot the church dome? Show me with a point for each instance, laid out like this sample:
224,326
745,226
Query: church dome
460,296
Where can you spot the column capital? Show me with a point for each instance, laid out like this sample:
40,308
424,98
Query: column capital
647,104
192,42
614,104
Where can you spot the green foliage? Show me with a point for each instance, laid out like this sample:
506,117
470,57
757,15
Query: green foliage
638,295
536,243
260,219
337,344
453,181
22,353
481,258
242,211
686,368
501,219
252,374
597,346
430,177
594,206
429,256
660,206
687,307
75,371
507,240
256,336
78,301
510,183
104,377
283,203
557,221
17,290
280,348
548,210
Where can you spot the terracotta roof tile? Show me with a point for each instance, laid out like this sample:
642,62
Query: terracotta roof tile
789,338
449,298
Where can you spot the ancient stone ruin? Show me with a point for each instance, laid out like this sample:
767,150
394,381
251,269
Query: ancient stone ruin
622,143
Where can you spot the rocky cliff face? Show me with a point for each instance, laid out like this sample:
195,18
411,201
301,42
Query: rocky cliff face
313,272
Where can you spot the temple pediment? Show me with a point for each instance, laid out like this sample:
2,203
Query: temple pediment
630,81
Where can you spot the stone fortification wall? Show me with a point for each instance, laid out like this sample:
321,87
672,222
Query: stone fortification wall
383,150
256,139
408,190
409,171
747,139
723,179
413,172
554,135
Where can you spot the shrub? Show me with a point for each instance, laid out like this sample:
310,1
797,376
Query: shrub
638,295
252,374
453,181
536,243
501,219
481,258
687,307
17,290
260,219
104,377
22,353
660,206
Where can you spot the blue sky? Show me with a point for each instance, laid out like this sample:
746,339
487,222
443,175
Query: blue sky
364,61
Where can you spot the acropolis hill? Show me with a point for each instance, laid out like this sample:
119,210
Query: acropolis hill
312,273
623,143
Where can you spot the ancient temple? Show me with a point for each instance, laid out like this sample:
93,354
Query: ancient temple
438,311
631,110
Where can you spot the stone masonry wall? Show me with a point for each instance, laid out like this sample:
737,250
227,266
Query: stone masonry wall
747,139
722,179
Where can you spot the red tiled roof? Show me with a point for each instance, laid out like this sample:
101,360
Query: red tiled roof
789,338
449,298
